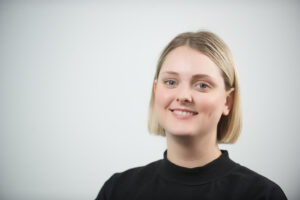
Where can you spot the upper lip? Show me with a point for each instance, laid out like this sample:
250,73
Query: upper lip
183,110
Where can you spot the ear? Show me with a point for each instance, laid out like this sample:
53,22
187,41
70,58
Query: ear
229,102
154,85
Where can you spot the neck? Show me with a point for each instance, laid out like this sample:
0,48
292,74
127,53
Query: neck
192,151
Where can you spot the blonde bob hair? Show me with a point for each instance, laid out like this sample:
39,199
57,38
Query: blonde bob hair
214,47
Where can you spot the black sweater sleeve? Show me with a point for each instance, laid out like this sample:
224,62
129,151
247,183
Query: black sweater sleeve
277,194
107,187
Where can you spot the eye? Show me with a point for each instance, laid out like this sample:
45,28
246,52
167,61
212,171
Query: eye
170,82
202,85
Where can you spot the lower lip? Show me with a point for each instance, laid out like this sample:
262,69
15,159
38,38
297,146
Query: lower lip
182,117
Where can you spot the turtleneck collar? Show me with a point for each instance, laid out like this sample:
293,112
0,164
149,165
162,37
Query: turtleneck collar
198,175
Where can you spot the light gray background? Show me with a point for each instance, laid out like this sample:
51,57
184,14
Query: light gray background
75,82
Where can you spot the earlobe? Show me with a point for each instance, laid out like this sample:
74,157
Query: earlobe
229,102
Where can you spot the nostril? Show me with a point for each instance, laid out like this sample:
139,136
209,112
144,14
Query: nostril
185,99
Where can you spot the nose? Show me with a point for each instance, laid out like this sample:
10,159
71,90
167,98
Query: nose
184,95
184,100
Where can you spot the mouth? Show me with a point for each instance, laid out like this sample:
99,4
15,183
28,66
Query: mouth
183,112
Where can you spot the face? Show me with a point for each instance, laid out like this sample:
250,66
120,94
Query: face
190,94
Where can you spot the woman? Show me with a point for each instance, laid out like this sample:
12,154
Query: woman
195,104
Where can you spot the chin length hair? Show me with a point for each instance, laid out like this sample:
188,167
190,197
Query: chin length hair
209,44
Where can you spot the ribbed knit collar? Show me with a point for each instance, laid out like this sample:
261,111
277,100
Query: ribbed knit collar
198,175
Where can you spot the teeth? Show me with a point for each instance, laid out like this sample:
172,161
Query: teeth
183,113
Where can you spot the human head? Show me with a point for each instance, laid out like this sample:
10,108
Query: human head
212,46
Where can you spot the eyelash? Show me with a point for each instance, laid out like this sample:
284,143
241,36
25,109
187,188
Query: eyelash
167,82
206,86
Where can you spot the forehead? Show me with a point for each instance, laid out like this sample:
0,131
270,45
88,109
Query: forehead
187,62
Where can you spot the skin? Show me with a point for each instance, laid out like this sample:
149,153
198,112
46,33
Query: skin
189,80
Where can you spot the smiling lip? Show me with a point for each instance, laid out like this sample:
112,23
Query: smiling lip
183,113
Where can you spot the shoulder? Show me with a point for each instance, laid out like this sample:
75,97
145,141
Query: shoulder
123,181
136,173
254,184
251,176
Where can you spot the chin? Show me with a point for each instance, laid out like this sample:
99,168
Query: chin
182,133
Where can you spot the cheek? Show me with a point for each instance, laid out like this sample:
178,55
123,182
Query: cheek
210,104
163,97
